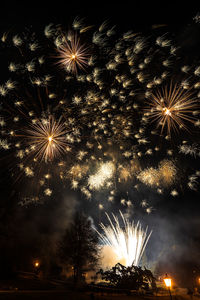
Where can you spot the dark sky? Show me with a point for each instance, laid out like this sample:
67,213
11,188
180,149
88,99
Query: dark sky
123,13
179,222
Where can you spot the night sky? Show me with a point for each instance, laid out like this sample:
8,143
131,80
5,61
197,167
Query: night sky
175,243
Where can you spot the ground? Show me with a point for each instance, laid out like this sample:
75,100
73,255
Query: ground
35,289
69,295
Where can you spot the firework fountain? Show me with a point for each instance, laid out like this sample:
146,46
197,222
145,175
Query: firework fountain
126,242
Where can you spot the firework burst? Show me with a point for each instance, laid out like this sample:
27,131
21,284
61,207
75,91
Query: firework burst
48,138
171,107
72,54
164,175
104,173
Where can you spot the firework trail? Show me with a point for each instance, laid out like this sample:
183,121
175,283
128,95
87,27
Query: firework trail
127,242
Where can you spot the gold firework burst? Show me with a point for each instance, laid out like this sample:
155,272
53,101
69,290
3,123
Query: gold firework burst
47,138
164,175
172,107
102,176
72,54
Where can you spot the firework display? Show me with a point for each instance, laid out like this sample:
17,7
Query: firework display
99,112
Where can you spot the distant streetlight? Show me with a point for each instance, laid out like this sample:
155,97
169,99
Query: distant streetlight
168,283
36,264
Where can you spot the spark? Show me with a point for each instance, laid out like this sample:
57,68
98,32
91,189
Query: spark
4,144
49,30
17,41
48,192
192,150
29,172
77,171
3,91
124,174
149,210
101,206
174,193
74,184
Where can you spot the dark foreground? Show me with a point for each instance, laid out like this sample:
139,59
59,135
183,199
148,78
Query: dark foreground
73,295
27,288
62,295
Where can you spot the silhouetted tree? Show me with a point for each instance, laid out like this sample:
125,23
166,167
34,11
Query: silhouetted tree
79,246
129,277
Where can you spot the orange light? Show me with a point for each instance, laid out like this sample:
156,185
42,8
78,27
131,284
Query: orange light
36,264
168,282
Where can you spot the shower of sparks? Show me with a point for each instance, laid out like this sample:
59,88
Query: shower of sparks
128,241
171,107
47,138
72,54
